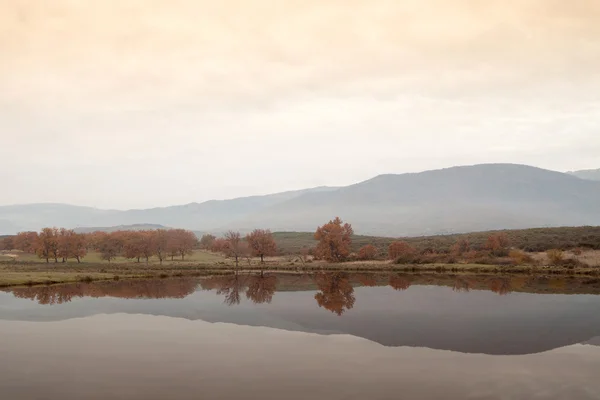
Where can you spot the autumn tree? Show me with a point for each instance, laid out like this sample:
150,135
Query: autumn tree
368,252
461,247
401,251
206,241
261,243
498,244
26,241
7,243
219,245
161,243
181,243
334,240
132,245
235,247
71,245
109,245
46,246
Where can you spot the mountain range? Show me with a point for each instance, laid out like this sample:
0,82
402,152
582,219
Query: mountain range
451,200
591,174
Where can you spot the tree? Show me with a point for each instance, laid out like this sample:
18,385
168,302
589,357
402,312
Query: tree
47,244
334,240
161,243
368,252
401,251
219,245
235,247
133,245
7,243
206,241
181,243
147,244
110,245
26,241
261,243
498,244
71,245
461,247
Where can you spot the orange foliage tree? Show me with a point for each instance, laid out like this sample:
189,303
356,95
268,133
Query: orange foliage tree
402,251
498,244
26,241
368,252
334,241
235,248
261,243
47,244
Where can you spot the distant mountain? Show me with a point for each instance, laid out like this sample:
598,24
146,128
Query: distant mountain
590,174
452,200
134,227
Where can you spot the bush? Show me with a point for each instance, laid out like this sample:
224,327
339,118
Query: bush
520,258
555,257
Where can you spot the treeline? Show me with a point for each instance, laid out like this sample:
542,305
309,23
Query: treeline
529,240
334,243
64,244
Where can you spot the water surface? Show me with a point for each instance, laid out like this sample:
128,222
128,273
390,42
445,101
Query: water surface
330,336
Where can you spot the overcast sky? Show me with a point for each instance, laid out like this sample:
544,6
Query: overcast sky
140,103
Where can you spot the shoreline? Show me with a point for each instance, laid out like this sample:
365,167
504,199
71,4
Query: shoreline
29,273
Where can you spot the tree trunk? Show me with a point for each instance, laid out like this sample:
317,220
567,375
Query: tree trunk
47,260
236,261
78,259
172,257
262,259
182,255
138,259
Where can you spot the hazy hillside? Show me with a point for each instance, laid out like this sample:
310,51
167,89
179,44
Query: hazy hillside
134,227
590,174
459,199
205,216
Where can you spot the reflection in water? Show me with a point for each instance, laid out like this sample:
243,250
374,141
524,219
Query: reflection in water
399,282
128,289
336,292
501,285
261,288
462,284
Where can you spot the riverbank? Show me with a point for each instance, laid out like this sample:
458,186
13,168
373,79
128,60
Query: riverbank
32,273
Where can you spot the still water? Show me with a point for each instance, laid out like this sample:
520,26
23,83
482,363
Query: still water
321,336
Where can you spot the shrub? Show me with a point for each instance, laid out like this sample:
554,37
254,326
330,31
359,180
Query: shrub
368,252
520,258
555,257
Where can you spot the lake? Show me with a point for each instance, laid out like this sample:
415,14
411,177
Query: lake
297,336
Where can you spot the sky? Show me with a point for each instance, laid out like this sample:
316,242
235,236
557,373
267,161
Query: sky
143,103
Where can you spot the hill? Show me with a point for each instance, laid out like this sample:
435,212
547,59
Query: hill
590,174
452,200
134,227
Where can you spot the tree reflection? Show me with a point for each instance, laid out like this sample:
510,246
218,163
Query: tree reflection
462,285
501,285
130,289
367,279
399,282
261,288
336,292
229,286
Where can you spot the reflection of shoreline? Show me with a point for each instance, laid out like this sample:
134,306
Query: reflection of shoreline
335,288
126,289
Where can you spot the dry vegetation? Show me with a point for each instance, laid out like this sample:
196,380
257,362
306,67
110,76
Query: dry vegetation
60,255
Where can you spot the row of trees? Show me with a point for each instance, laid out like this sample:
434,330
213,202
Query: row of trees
259,243
63,244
